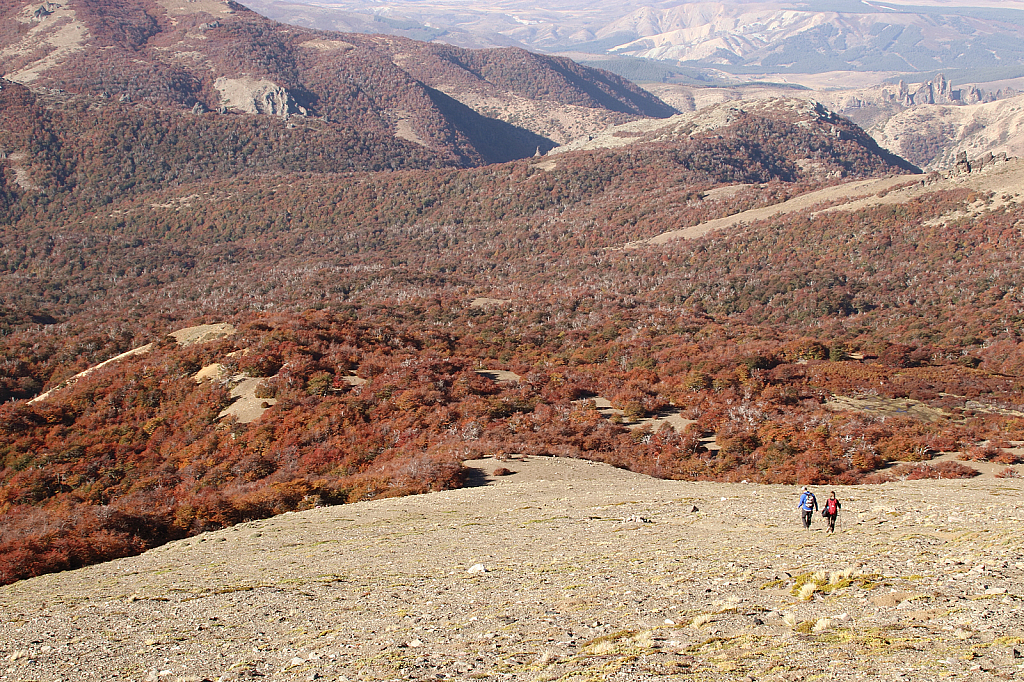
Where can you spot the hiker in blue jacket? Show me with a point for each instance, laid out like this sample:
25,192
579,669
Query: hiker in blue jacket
808,505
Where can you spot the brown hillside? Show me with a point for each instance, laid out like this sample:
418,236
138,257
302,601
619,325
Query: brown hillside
219,56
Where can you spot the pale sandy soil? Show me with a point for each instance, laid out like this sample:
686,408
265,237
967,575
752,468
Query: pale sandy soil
501,376
55,36
21,175
564,570
214,372
670,416
485,302
247,408
851,191
889,407
906,407
202,333
135,351
404,129
185,7
328,45
560,123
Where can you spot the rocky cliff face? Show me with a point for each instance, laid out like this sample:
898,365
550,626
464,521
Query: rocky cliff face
937,91
933,136
252,96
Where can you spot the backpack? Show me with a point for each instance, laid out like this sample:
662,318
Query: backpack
831,506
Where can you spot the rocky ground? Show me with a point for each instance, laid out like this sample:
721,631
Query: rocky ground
564,570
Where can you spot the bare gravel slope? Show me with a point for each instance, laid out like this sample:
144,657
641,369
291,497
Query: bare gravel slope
564,570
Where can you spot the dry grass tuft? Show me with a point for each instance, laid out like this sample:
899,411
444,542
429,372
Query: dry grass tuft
807,591
605,644
645,639
701,620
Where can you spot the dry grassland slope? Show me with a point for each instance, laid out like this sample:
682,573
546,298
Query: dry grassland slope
1001,183
565,570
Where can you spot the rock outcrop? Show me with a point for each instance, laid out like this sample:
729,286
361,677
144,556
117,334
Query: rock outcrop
252,96
938,91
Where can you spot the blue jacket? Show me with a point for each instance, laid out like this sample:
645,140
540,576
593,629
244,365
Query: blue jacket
807,501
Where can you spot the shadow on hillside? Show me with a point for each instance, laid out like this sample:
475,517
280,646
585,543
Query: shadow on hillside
495,141
475,477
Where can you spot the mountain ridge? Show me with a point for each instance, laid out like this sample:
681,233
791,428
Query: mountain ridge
221,57
739,36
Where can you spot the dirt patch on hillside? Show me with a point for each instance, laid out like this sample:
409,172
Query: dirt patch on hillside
328,45
562,570
484,302
21,174
560,123
653,422
202,333
906,407
247,407
185,7
64,384
887,407
184,337
860,189
51,34
404,130
1005,180
500,376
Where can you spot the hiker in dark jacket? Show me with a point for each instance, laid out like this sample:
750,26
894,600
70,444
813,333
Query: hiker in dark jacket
808,504
831,511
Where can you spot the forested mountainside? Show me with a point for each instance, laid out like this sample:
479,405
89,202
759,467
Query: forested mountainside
365,303
139,57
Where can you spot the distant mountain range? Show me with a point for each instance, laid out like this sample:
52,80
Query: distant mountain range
348,101
812,36
382,100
